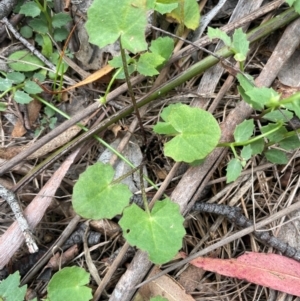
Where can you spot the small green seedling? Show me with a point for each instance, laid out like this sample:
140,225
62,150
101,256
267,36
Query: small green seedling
129,29
47,29
148,62
45,24
195,133
23,89
159,231
238,43
195,139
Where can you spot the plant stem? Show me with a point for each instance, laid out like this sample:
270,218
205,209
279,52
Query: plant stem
181,13
246,142
43,9
130,90
99,140
102,99
144,197
290,99
5,92
285,136
234,151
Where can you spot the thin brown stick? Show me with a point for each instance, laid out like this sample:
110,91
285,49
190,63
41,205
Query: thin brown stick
110,272
130,91
12,200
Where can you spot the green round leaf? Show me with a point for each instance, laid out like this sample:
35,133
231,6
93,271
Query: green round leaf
148,63
60,34
47,48
125,20
162,46
22,97
219,34
69,284
32,87
39,25
290,143
274,136
276,156
49,112
159,233
234,169
257,146
277,115
263,97
60,19
10,290
198,132
95,197
244,130
294,106
240,45
30,9
26,32
40,75
29,61
16,77
246,152
39,39
5,84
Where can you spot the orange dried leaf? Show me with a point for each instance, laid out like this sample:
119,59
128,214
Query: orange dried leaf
92,78
270,270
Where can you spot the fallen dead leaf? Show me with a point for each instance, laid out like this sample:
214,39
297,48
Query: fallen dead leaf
58,260
90,79
18,130
33,109
164,286
190,278
270,270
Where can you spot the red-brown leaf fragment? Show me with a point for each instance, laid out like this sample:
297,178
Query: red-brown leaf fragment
270,270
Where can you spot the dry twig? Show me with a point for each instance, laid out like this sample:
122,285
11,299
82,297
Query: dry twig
12,200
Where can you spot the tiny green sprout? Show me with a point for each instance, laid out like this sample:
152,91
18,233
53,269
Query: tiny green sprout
102,100
238,43
274,101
